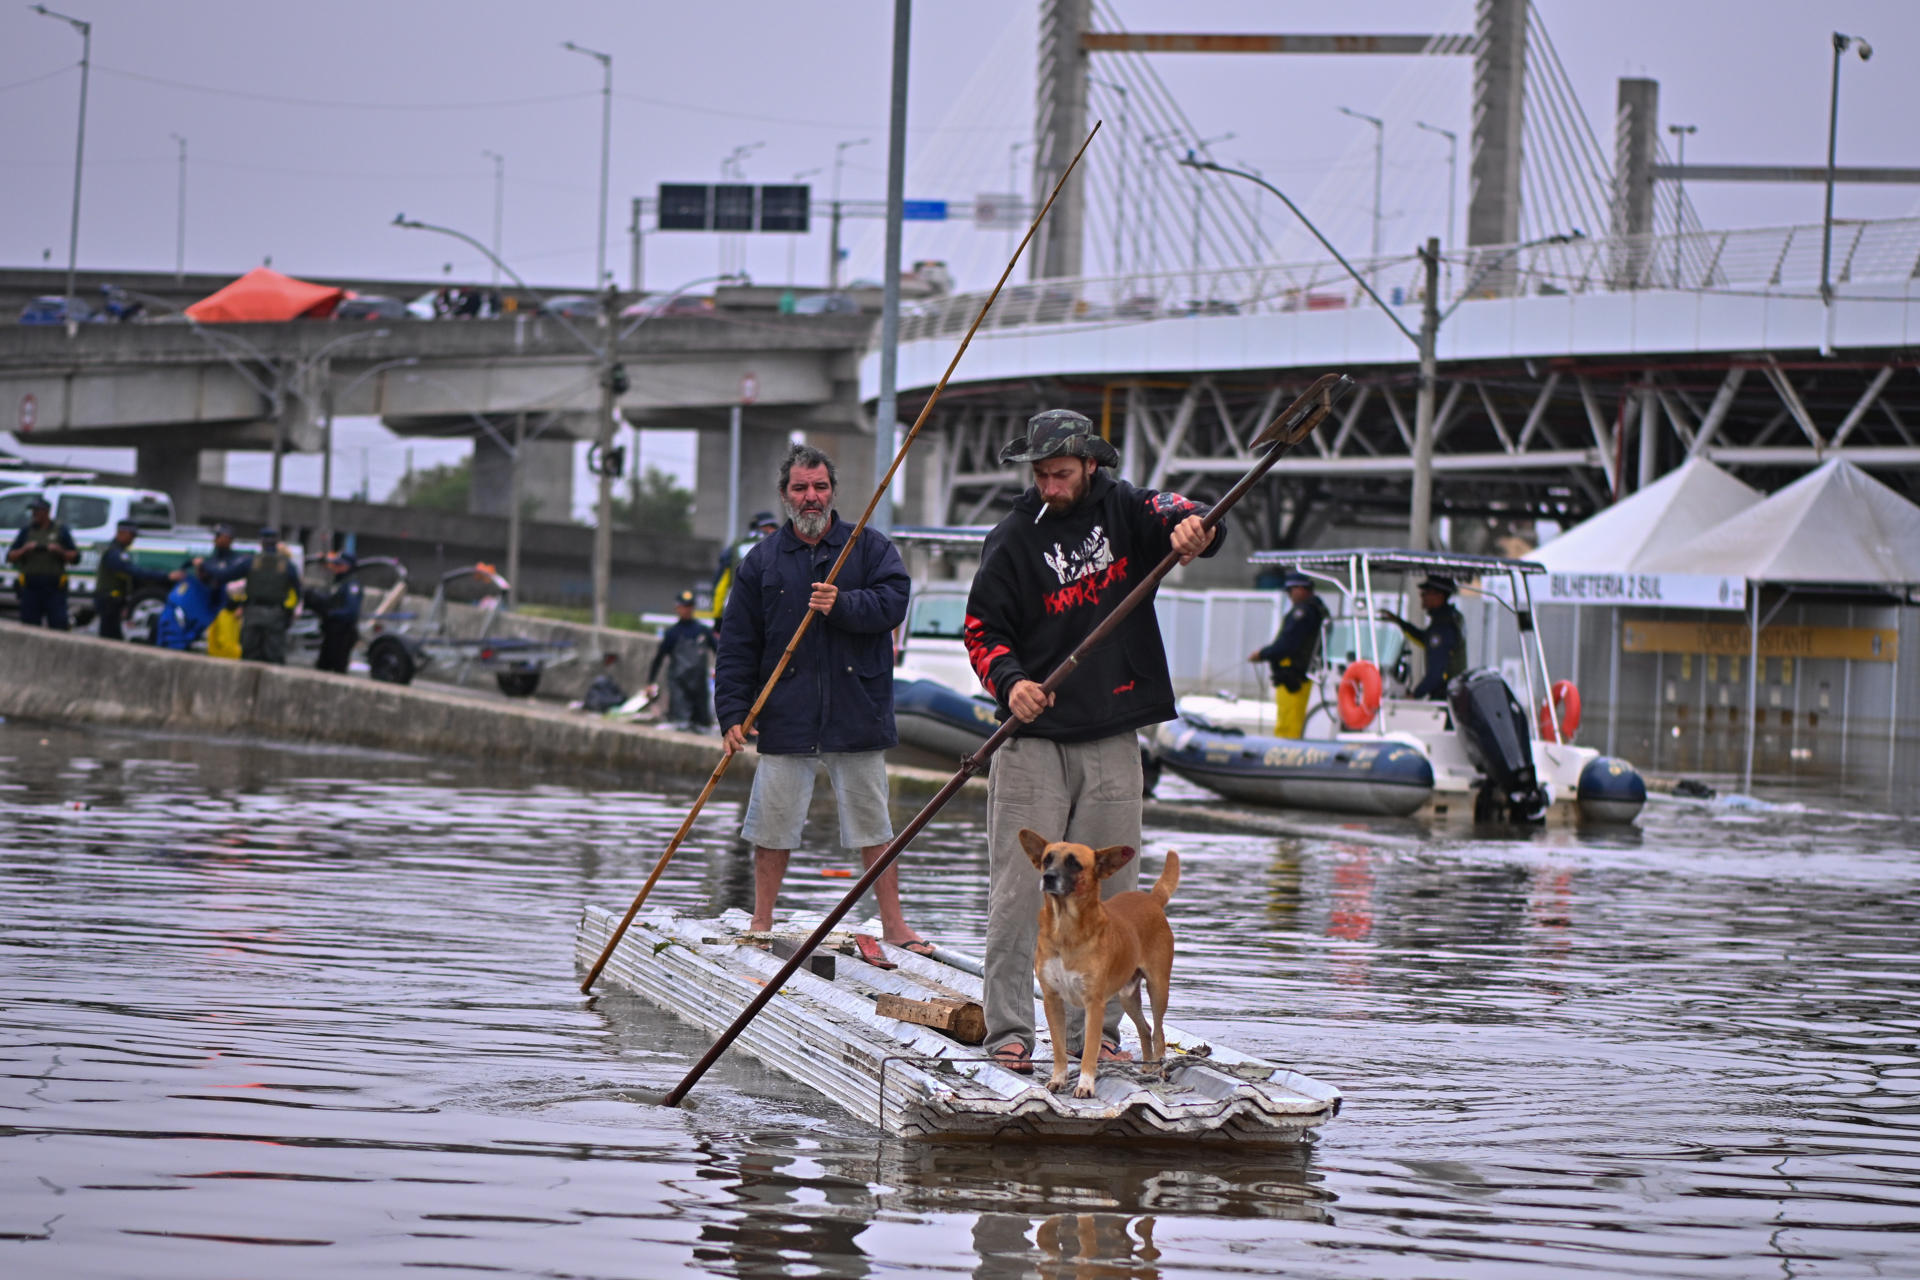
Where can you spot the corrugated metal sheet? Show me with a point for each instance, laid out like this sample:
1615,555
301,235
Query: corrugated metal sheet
914,1082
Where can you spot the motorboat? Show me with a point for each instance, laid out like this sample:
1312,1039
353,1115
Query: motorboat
1480,744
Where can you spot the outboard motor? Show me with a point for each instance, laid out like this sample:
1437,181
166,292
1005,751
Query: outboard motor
1493,728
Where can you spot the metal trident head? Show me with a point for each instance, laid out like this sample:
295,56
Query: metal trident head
1304,414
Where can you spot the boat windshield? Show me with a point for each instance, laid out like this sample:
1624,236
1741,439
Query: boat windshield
1346,641
938,616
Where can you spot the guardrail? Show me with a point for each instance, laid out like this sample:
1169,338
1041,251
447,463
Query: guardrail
1756,259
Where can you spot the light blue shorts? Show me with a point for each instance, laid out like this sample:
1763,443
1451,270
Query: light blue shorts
783,789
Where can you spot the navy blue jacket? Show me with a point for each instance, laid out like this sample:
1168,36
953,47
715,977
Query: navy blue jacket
837,693
1445,641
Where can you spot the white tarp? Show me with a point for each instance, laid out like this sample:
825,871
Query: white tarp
1604,560
1835,525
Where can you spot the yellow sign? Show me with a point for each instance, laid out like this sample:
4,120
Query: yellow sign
1862,644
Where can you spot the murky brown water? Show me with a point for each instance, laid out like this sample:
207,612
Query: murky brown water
284,1013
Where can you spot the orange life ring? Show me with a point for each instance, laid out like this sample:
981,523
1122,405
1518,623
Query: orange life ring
1359,694
1566,697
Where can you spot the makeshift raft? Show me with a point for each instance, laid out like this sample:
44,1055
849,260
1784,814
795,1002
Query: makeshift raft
915,1082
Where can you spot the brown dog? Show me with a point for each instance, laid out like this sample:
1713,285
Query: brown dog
1090,951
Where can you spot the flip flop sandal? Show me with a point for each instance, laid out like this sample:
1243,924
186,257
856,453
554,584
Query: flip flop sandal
1015,1057
1110,1051
919,947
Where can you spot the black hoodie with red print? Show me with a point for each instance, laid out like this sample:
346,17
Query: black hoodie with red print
1043,586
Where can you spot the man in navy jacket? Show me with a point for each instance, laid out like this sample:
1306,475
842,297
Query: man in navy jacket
831,711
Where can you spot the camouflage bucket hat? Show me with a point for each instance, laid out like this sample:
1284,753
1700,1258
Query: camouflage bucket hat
1056,433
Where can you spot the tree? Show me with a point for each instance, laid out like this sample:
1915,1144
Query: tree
654,503
442,488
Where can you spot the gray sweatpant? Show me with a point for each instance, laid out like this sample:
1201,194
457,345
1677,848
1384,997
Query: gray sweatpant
1087,792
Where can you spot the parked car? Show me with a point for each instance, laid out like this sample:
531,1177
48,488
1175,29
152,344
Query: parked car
372,306
51,308
575,306
683,304
826,304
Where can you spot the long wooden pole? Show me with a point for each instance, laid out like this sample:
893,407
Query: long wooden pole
1288,429
786,657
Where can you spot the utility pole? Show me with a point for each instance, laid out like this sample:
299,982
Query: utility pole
833,245
80,149
180,217
515,488
1681,131
1453,180
1420,510
634,268
1841,43
886,408
612,383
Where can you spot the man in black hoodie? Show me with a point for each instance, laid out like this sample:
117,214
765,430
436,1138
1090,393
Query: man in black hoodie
1072,548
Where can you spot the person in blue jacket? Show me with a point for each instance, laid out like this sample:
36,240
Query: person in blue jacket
1444,637
831,711
190,608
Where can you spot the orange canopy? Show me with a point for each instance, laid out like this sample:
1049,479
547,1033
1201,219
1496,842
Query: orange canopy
263,294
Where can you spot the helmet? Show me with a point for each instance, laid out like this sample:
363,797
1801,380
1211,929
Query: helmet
1054,433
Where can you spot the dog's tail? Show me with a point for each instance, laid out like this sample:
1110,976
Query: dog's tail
1169,879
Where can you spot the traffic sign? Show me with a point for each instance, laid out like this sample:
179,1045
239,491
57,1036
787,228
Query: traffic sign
29,412
924,210
749,388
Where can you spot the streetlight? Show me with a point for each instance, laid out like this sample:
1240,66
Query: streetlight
840,150
1379,164
180,219
793,242
606,144
1119,174
1453,176
1198,192
499,204
1420,514
80,145
1013,184
315,363
1841,43
612,380
1681,131
733,166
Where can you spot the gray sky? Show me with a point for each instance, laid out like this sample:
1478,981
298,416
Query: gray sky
310,125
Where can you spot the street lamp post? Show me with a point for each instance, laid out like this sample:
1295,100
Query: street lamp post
612,380
1420,506
1453,178
307,371
180,217
499,204
734,166
1681,131
80,147
1199,191
1841,43
1119,176
1013,185
1379,166
840,150
606,152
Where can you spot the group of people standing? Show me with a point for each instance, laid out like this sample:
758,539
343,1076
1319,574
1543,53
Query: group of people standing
242,603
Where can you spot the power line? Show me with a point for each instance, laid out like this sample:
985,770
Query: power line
341,104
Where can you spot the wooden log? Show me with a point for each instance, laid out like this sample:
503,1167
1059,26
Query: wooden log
819,963
964,1020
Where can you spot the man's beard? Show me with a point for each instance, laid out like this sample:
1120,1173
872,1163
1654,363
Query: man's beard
810,523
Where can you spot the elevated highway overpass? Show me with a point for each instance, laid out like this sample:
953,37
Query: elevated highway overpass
1591,369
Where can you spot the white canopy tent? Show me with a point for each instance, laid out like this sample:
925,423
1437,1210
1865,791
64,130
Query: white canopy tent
1835,526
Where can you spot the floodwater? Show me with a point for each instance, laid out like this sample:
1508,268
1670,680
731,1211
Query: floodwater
278,1012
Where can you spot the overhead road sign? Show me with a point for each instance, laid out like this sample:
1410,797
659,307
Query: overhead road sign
924,210
734,207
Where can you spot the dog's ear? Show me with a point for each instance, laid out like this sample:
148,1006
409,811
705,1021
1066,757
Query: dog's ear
1035,844
1110,859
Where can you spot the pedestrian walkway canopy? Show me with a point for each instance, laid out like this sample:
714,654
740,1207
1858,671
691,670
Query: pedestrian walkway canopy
264,296
1835,526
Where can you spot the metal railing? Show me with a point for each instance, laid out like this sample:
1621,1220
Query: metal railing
1757,260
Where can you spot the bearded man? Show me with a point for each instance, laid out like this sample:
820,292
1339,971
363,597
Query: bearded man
831,711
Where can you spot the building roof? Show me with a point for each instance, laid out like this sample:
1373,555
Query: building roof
1837,525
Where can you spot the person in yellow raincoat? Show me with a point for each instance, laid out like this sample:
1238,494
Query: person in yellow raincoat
223,633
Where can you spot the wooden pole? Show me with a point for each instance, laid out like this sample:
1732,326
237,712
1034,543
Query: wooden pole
720,769
1288,429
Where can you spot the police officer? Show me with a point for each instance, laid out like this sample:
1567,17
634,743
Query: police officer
223,564
272,589
684,647
118,578
41,553
339,610
1444,637
1292,653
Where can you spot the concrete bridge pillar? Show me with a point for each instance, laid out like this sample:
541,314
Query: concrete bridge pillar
852,455
1636,142
761,451
175,472
546,476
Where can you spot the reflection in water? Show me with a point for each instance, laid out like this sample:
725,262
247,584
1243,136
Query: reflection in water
271,1006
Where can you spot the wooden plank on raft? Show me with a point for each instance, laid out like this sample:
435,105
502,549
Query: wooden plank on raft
964,1020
